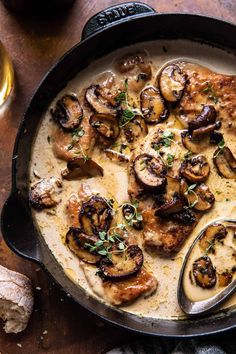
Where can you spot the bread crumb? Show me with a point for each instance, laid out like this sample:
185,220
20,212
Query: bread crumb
19,345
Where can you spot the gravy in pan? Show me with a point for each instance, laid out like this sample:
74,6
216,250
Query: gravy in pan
53,223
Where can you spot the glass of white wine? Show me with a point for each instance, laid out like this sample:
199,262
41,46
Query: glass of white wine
6,75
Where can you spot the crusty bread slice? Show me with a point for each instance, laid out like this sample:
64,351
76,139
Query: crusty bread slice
16,300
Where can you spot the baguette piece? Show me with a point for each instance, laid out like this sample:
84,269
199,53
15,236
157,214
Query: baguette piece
16,300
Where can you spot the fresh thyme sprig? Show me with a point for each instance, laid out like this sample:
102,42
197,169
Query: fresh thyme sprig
135,216
221,146
128,113
190,190
106,241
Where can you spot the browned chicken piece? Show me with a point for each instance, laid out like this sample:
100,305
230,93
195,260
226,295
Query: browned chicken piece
207,87
119,293
162,236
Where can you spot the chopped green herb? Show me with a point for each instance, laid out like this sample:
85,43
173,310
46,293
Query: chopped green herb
218,192
188,154
211,247
133,216
121,246
121,97
127,116
211,93
69,147
167,138
220,149
77,132
170,159
191,190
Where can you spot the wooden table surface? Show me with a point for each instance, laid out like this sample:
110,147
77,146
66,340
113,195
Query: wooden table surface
59,325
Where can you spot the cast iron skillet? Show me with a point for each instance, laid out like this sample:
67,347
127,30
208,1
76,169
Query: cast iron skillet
113,28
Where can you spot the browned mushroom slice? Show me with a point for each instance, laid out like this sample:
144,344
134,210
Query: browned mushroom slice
224,279
95,215
212,234
150,171
172,207
137,70
106,125
76,240
130,215
80,167
200,197
204,272
116,156
100,99
135,129
196,169
195,145
122,265
206,117
172,82
68,112
200,132
43,194
225,162
153,105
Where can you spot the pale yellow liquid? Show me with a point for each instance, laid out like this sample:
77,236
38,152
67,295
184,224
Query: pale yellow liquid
6,75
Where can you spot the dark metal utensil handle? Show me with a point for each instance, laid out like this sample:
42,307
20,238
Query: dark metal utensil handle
115,14
18,229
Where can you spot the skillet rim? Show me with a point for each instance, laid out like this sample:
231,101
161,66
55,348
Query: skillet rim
20,136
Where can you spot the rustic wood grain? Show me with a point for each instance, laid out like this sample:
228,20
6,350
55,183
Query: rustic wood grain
58,325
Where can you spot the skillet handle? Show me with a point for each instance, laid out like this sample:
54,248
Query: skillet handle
18,229
115,14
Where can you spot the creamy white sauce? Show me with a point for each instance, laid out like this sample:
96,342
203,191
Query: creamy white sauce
163,304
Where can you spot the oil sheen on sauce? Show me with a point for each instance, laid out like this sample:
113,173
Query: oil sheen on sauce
53,226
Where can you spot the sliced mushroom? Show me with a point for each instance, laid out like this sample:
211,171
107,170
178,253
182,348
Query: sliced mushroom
172,82
95,215
76,240
216,137
68,112
43,194
138,69
107,126
174,206
200,198
122,265
212,234
153,106
200,132
225,162
80,167
100,99
206,117
225,279
150,171
135,129
204,272
116,156
129,213
196,169
195,145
